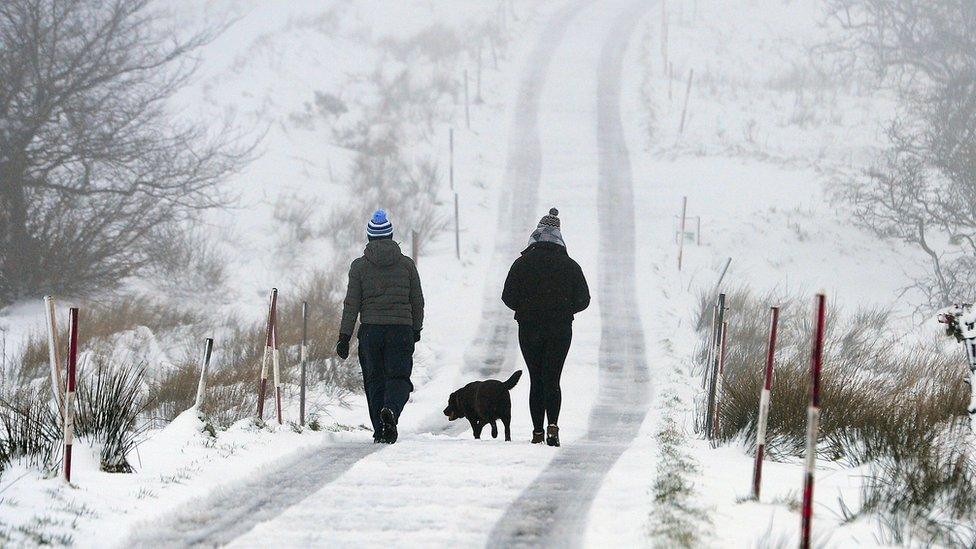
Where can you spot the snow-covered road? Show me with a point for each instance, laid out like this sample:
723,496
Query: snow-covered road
552,511
437,486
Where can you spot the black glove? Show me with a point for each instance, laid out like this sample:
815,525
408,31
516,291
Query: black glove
416,336
342,347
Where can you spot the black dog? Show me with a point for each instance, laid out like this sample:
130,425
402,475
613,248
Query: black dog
484,402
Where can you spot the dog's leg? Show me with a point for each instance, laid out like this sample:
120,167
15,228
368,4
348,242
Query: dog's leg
477,426
494,429
507,422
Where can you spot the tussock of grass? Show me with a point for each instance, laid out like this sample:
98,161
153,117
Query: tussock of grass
901,411
676,520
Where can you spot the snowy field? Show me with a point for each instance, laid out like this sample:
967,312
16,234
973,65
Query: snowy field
580,115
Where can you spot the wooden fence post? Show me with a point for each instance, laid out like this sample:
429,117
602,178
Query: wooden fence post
263,384
764,397
467,102
719,380
681,233
684,110
813,420
204,366
457,227
304,359
69,398
54,356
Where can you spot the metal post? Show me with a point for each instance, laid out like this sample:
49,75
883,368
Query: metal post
457,228
204,366
764,397
710,348
813,421
69,398
719,380
304,358
720,321
467,105
263,384
54,356
681,233
718,284
275,360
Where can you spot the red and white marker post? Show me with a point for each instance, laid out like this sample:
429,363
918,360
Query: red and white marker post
268,342
813,420
69,398
764,397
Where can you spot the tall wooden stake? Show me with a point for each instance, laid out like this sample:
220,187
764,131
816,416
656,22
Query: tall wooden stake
681,233
764,397
204,367
69,398
457,228
304,359
813,420
467,102
684,110
54,355
263,384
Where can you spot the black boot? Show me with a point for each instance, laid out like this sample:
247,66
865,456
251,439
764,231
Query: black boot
537,437
552,436
389,426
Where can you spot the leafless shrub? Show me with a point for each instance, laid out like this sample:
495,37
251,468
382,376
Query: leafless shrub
186,261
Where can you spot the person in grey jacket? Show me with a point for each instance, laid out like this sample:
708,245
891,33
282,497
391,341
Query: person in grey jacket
384,292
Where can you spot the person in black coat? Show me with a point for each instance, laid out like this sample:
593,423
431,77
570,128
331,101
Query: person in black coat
545,288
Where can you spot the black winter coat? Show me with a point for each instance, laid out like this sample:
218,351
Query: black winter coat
545,285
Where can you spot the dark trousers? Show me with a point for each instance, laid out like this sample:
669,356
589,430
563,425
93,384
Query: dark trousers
386,357
544,347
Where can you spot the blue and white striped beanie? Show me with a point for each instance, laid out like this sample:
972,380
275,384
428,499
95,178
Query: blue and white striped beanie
379,226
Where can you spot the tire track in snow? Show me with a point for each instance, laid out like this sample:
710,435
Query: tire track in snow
232,511
553,510
493,352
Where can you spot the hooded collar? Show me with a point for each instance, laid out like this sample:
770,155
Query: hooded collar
382,253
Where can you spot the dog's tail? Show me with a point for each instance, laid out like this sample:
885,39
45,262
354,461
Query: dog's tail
512,380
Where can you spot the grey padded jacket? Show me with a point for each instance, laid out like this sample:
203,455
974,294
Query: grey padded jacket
384,288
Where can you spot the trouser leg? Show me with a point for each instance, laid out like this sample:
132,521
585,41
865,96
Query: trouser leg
371,361
398,352
532,348
558,342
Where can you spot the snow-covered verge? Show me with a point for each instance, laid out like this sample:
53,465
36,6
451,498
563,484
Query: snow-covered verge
767,131
279,70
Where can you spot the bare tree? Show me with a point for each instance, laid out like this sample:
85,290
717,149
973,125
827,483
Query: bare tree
92,164
923,188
